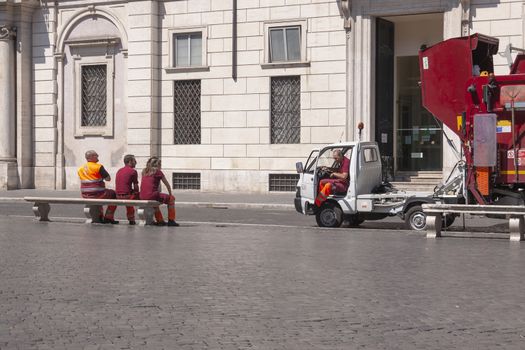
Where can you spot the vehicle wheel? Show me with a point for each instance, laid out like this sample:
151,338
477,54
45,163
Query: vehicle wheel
329,215
354,220
415,218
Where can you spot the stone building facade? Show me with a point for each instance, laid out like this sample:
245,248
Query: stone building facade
230,93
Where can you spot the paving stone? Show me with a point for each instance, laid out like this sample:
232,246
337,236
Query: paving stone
75,286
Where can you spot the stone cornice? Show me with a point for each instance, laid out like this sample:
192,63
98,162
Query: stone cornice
346,11
7,32
20,3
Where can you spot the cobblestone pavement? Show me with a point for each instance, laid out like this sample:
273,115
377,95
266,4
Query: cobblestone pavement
74,286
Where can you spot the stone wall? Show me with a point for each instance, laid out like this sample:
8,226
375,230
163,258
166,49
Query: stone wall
236,153
502,19
337,81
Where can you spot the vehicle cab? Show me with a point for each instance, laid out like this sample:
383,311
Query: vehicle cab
365,174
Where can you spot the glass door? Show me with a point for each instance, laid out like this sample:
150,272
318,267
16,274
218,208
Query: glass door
419,136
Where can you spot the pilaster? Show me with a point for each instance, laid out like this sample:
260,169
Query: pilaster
8,178
360,77
143,137
24,99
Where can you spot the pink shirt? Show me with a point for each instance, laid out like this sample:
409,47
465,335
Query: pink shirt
344,168
149,186
126,181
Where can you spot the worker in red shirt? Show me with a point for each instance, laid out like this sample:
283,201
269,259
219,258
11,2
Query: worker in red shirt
339,178
127,184
149,189
92,176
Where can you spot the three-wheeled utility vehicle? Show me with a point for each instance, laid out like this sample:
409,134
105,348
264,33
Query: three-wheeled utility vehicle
367,197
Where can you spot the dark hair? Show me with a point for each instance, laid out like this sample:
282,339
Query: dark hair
128,158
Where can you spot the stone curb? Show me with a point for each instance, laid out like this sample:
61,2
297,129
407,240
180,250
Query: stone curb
236,205
11,199
266,206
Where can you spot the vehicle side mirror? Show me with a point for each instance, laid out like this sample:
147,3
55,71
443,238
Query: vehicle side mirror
299,167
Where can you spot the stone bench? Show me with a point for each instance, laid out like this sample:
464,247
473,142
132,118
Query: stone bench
92,207
515,213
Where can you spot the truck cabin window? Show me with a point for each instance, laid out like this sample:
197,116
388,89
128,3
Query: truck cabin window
370,155
326,158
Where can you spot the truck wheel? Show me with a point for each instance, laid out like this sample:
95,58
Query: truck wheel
329,215
415,218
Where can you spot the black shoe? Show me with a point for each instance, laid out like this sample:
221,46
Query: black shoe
161,223
132,222
173,223
111,221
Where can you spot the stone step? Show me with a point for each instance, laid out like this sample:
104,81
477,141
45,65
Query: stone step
417,181
424,180
420,174
415,186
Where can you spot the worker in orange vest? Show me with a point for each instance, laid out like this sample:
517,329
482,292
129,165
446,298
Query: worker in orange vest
92,176
338,181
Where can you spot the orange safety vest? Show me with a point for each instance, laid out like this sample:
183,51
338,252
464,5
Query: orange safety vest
90,178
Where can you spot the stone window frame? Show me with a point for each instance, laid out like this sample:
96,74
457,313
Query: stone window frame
172,32
268,25
108,59
107,130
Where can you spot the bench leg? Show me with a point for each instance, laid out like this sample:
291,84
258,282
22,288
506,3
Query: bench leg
41,211
145,215
92,213
433,227
517,229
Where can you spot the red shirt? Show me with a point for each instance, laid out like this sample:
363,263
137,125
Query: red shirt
149,186
126,181
344,168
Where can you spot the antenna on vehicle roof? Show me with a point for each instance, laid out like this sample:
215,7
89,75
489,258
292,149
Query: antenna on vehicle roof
341,137
360,127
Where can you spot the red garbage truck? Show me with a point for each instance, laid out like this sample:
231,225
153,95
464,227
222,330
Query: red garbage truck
485,110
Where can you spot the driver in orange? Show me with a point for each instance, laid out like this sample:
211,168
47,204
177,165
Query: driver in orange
338,181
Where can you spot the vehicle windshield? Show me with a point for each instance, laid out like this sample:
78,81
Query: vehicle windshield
326,158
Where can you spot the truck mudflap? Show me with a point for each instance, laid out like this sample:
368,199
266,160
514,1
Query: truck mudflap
298,205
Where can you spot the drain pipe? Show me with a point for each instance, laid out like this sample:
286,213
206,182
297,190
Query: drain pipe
234,40
345,10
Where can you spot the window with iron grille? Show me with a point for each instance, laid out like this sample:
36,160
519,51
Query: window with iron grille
187,106
186,181
286,110
94,95
283,182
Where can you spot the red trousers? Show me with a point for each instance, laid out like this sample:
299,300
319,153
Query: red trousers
170,201
130,211
327,187
107,194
